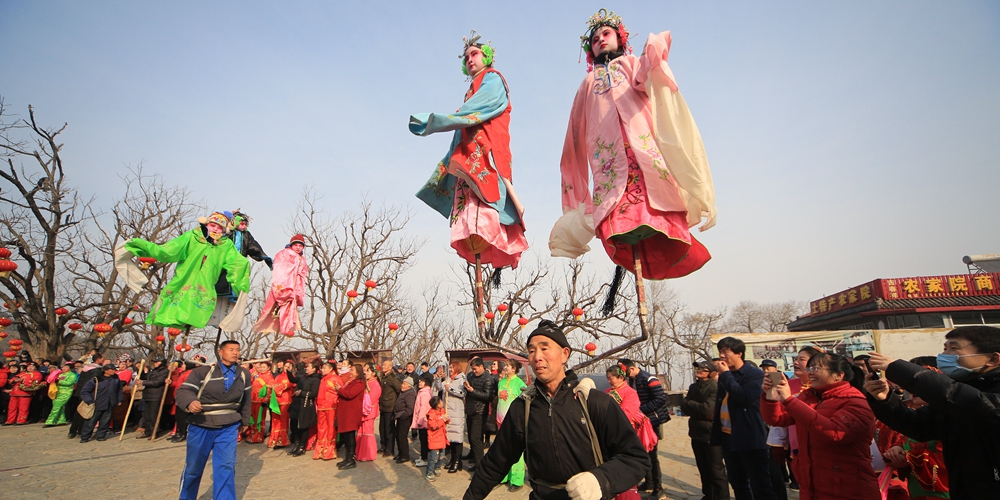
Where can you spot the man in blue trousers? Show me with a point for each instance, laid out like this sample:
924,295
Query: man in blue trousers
217,397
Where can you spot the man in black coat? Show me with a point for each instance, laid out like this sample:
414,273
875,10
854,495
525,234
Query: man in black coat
737,424
699,406
153,382
403,416
653,404
479,387
561,457
246,245
87,372
104,392
391,385
963,407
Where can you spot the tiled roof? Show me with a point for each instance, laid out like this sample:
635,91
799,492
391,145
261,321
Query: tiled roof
889,305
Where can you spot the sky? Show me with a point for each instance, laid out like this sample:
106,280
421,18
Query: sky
848,140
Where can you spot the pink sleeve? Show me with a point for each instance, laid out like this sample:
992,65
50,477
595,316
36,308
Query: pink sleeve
654,58
574,165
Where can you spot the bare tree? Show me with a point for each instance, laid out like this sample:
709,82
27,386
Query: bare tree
345,252
755,317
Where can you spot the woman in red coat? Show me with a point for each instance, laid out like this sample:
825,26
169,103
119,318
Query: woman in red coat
351,398
835,427
23,387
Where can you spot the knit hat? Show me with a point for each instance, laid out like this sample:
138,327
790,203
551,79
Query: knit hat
408,380
548,328
218,218
298,238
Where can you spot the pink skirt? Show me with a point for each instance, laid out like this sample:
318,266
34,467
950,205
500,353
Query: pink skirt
476,228
665,245
367,446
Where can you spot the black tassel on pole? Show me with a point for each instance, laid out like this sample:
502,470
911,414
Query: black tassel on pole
496,278
609,302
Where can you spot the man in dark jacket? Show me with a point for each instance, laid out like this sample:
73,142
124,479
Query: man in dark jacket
217,398
87,372
698,406
391,385
737,424
653,403
557,442
247,246
963,407
479,387
403,415
104,391
153,383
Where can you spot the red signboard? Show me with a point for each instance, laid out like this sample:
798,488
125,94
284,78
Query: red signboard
918,287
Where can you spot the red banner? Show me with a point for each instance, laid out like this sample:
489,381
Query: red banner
918,287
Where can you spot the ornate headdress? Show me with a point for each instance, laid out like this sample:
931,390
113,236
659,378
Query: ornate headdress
611,20
473,41
240,217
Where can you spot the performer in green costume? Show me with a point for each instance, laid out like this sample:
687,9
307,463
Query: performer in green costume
508,389
201,255
65,382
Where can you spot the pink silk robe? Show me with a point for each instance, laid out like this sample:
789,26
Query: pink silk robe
638,98
287,294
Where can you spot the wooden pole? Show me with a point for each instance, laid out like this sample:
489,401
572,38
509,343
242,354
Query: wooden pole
131,401
480,319
640,289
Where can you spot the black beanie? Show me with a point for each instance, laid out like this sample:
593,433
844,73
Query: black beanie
551,330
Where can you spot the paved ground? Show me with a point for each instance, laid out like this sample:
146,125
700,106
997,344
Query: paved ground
41,463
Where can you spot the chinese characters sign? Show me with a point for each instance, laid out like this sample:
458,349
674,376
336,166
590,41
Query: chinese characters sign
920,287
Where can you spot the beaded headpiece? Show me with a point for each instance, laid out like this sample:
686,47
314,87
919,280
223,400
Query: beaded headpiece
240,217
596,21
473,41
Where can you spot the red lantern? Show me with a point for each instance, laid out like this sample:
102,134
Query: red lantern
102,328
16,342
578,313
370,284
4,253
502,308
127,321
179,347
351,295
160,339
7,267
15,348
74,326
3,335
173,332
591,348
9,354
135,307
288,334
489,315
145,262
393,327
62,311
522,321
4,323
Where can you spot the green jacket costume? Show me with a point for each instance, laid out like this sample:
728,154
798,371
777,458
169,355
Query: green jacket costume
65,383
189,297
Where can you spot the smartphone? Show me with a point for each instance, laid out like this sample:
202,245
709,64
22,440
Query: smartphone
775,377
873,372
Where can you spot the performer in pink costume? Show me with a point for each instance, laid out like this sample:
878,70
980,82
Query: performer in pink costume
288,290
631,128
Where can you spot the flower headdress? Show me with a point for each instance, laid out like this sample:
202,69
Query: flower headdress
611,20
473,41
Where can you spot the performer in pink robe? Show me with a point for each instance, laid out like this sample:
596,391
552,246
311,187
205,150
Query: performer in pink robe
631,128
288,290
367,445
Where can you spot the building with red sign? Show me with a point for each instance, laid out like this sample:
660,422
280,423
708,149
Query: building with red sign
917,302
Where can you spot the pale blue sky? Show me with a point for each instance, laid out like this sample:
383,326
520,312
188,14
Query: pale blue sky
848,140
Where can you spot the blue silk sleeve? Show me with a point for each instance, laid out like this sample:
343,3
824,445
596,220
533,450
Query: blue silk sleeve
488,102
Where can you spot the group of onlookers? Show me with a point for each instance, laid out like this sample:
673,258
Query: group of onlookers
866,427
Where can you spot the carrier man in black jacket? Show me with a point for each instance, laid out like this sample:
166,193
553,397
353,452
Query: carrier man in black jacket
558,440
217,397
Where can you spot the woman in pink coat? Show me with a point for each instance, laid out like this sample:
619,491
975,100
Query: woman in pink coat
288,290
367,446
631,129
420,409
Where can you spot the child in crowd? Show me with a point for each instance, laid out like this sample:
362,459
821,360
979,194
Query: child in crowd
437,437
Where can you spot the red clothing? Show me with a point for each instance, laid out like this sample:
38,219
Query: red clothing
835,428
491,137
261,381
279,427
437,433
628,399
349,406
328,387
125,376
175,384
17,409
326,444
284,389
25,380
4,373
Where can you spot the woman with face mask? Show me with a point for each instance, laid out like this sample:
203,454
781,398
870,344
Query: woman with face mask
962,411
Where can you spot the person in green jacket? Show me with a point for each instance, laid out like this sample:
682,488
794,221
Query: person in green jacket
508,389
201,254
65,382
